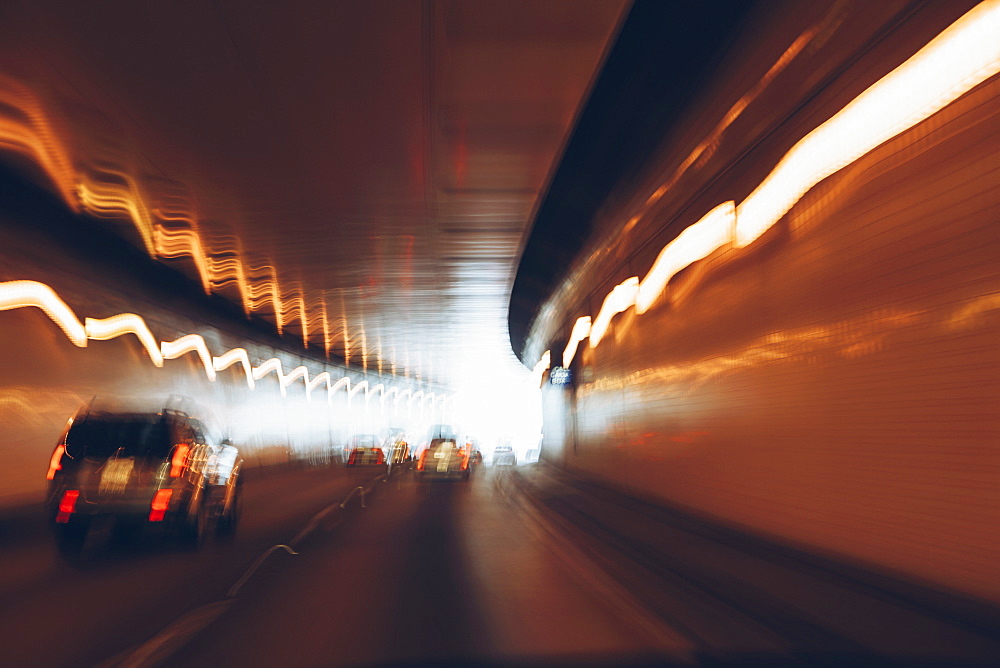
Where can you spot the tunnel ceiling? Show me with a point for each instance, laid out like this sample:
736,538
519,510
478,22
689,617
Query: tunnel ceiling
361,174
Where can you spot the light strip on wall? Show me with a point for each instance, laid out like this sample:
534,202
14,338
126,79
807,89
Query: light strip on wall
22,294
105,329
581,330
964,55
19,294
716,229
620,298
192,343
227,359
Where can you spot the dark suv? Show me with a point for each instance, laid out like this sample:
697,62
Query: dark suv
141,469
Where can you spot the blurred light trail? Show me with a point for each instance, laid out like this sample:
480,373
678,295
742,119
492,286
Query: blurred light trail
227,359
716,229
104,329
619,299
18,294
964,55
169,229
192,343
538,372
581,330
22,294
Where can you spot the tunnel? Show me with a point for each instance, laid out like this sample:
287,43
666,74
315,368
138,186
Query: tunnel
500,333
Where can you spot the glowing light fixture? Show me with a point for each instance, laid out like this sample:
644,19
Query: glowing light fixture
192,343
231,357
18,294
125,323
713,231
620,298
581,330
963,56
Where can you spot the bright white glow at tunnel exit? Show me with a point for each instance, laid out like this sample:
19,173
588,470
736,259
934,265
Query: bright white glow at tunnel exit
505,410
965,55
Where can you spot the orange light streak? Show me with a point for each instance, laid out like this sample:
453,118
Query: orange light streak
581,330
716,229
621,297
961,57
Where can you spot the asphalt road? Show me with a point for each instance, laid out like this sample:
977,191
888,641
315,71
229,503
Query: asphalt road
515,567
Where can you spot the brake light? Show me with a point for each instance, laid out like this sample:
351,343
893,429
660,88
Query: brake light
55,464
67,505
465,459
179,460
161,501
420,462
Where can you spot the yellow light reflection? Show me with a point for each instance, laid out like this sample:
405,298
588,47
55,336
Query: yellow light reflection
715,230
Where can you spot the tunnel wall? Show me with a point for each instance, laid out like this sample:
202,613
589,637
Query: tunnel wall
836,384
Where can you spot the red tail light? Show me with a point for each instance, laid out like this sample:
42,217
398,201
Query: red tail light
420,462
179,460
465,459
55,463
67,505
161,502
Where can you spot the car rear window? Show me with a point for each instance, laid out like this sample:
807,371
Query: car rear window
135,437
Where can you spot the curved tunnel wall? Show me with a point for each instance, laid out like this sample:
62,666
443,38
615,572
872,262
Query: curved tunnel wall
836,383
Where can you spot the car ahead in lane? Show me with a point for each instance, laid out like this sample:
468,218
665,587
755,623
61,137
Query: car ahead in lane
503,455
149,470
444,459
360,442
366,457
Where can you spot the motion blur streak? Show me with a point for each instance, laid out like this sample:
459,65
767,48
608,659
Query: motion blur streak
192,343
538,371
960,58
957,60
581,330
19,294
713,231
104,329
168,231
622,297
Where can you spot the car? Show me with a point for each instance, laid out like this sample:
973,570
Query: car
444,459
156,470
366,457
360,442
503,455
399,450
